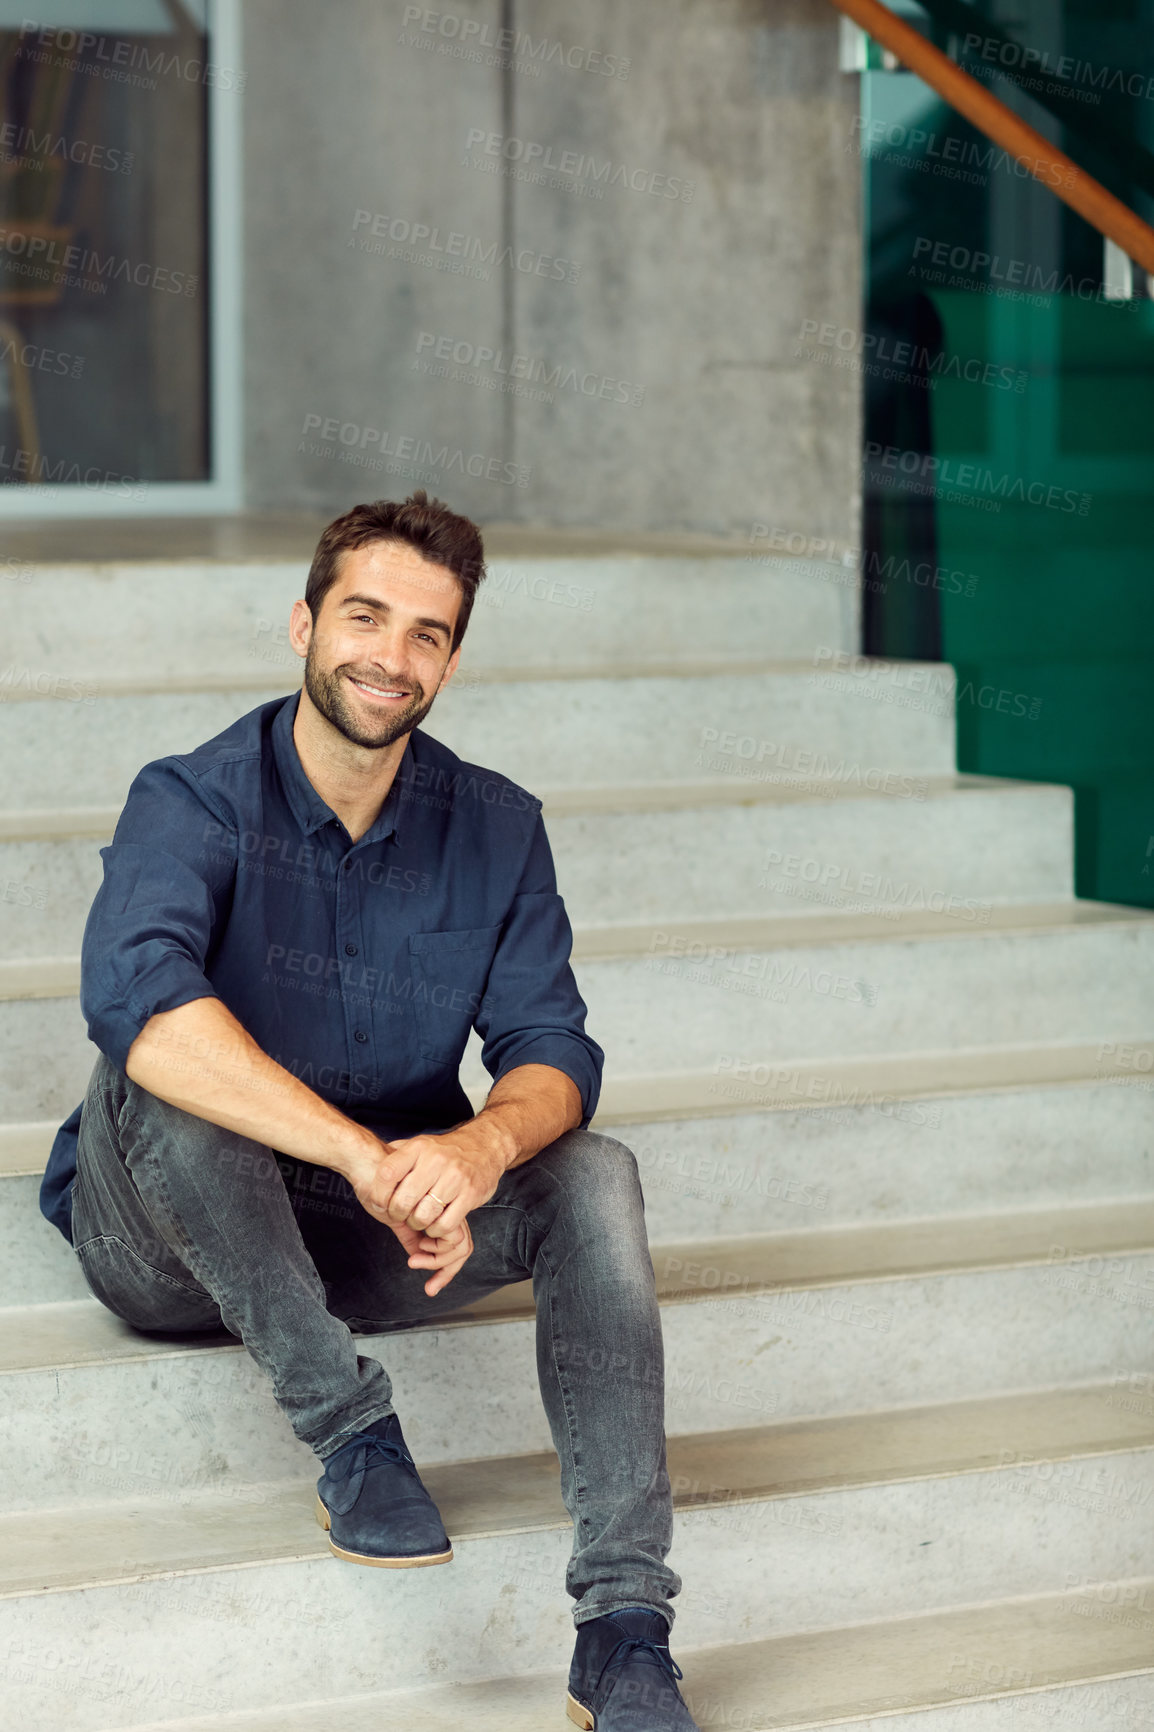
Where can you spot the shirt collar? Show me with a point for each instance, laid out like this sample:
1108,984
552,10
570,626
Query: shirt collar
309,810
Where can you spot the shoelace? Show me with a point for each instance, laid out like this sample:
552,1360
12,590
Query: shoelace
656,1652
371,1444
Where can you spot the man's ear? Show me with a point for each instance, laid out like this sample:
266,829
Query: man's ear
300,627
450,667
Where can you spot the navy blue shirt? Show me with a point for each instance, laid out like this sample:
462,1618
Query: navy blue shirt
359,966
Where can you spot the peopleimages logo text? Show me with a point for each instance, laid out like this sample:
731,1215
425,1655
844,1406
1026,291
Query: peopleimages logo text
1018,273
534,155
116,54
40,146
471,34
104,268
926,473
876,350
405,447
529,367
1063,67
453,249
965,152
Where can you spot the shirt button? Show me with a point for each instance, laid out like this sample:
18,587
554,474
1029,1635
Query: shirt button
361,1036
350,950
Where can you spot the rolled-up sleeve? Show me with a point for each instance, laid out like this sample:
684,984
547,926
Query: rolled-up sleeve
168,878
532,1012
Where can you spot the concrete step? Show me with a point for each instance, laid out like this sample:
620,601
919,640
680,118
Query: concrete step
1041,1663
907,1087
618,725
890,1159
247,538
967,845
36,1266
774,1327
172,1569
882,1526
715,996
1063,1438
697,996
532,610
878,1159
66,822
970,844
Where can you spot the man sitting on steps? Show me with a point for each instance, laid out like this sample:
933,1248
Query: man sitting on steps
299,923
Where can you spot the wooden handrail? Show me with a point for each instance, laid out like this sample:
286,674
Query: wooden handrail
990,115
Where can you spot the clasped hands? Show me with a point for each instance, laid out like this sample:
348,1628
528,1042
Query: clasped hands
424,1189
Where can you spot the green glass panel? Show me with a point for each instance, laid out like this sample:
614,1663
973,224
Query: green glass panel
1030,474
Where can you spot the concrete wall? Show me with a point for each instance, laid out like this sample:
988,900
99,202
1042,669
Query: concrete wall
607,287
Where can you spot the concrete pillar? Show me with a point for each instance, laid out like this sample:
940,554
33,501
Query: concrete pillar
631,212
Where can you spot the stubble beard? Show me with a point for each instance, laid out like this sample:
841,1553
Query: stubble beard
328,691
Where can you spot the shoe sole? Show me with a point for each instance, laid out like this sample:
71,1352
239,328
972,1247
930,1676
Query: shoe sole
579,1715
325,1522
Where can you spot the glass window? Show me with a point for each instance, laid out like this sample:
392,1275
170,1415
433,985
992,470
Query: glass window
104,376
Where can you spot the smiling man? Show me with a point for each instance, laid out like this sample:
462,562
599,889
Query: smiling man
300,922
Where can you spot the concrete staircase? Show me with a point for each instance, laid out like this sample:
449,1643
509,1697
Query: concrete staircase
890,1089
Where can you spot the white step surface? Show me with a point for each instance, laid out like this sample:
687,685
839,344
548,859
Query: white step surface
687,949
882,1523
723,996
36,1265
781,1170
82,820
971,844
802,1324
1079,973
907,1086
529,611
1035,1664
626,726
968,845
313,1625
1066,1438
722,803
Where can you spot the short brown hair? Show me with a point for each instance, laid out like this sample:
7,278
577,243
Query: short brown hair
437,534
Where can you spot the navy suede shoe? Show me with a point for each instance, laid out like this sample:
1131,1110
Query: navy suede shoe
623,1676
371,1501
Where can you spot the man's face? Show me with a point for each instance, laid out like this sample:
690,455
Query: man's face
379,650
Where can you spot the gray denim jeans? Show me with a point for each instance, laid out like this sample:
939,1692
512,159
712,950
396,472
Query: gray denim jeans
180,1225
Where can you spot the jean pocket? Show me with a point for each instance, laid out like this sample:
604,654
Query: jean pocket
142,1295
449,972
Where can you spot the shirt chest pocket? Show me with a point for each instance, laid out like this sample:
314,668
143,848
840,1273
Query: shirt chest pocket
449,971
